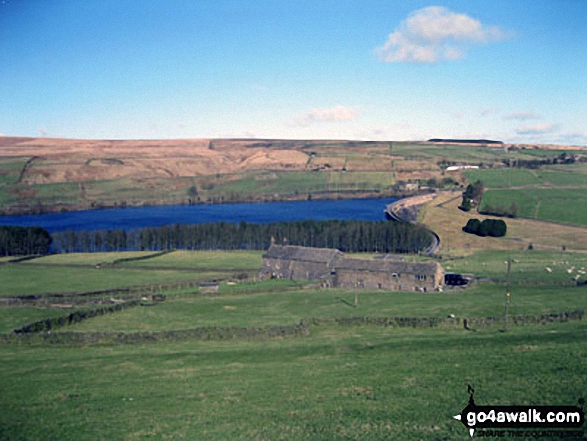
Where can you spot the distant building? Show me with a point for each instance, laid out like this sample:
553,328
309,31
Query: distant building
208,287
299,263
388,275
461,167
332,268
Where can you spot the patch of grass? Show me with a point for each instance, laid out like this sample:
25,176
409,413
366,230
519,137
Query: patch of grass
212,260
282,308
360,180
280,183
549,204
340,383
13,317
21,279
527,266
10,169
86,258
504,177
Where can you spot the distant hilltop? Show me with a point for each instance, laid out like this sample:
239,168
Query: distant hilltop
465,141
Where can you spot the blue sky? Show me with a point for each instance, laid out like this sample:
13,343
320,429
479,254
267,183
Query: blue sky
344,69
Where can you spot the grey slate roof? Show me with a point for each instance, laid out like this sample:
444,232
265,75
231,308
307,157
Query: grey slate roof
389,266
291,252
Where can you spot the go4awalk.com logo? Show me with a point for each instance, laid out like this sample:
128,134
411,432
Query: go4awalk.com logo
541,421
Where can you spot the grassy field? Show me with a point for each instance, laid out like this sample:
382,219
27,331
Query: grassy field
504,177
13,317
340,383
443,217
10,169
547,267
278,308
21,279
211,260
87,258
567,205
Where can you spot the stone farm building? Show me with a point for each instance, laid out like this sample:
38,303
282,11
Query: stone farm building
332,268
299,263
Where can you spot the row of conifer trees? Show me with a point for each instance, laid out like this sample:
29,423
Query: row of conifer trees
348,236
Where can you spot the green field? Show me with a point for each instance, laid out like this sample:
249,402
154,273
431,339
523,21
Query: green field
504,177
212,260
548,204
288,307
87,258
21,279
340,383
10,169
555,194
527,266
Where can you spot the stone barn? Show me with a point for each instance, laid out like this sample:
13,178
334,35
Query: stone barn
332,268
299,263
388,275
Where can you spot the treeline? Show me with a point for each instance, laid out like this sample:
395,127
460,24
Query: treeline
22,241
348,236
500,210
563,159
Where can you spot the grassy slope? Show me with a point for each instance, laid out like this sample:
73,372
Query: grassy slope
353,383
213,260
553,194
443,216
485,300
19,279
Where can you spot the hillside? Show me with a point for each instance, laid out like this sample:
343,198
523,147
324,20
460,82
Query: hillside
46,174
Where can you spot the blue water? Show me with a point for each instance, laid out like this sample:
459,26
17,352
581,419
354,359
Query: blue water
265,212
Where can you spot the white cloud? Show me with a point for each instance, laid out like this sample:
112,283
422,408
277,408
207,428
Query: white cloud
333,114
433,34
536,129
521,116
43,132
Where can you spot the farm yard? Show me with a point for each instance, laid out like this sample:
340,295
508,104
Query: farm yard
281,359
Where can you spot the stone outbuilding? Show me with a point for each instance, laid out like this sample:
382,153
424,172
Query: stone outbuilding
388,275
331,268
299,263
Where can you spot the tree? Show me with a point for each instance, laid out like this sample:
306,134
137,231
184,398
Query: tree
472,226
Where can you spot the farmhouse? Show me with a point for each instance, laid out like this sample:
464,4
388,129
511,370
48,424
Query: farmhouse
388,274
299,263
332,268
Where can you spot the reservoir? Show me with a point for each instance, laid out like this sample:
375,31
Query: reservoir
153,216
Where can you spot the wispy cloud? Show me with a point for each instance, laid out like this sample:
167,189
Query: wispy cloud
43,132
488,111
434,34
521,116
578,138
536,129
333,114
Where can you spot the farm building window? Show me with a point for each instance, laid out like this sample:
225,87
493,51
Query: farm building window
395,275
420,277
